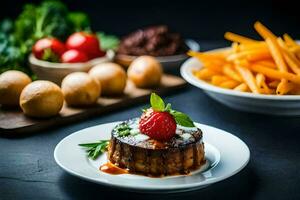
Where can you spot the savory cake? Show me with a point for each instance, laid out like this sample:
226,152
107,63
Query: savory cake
138,153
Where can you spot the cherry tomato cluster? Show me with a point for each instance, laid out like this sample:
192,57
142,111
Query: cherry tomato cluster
79,47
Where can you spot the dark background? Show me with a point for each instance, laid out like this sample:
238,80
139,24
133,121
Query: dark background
202,20
27,166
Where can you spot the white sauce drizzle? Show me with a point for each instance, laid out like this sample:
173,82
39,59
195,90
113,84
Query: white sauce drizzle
187,128
141,137
186,136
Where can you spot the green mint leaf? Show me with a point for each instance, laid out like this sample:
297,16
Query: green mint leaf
156,102
168,108
182,119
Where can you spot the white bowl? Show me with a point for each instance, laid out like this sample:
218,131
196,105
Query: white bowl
257,103
167,62
55,72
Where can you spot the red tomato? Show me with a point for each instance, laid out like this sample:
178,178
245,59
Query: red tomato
74,56
85,42
57,47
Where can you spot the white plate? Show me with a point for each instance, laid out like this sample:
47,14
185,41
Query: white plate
226,155
257,103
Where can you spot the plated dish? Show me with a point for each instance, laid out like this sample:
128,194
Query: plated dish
168,62
162,142
250,79
148,158
152,41
269,67
257,103
143,155
166,46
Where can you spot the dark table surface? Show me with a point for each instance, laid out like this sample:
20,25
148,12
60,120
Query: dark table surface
28,169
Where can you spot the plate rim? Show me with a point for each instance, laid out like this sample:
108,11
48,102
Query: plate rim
158,188
185,71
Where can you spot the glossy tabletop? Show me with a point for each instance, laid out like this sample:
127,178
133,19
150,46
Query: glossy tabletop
28,169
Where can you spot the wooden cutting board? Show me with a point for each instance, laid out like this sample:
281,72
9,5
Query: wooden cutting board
14,122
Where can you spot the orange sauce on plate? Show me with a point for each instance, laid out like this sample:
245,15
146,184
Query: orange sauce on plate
112,169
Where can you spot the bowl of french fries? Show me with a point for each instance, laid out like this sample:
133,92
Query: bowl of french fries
261,76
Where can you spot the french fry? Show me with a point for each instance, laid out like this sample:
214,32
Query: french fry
213,65
259,80
201,55
263,31
271,66
293,63
218,79
267,63
261,84
213,62
235,47
284,45
230,72
205,74
248,77
284,87
230,84
238,38
275,73
294,49
289,40
242,87
276,54
251,46
250,55
289,57
241,62
274,84
220,53
259,56
278,58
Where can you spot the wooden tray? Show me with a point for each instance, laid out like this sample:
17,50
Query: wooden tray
14,122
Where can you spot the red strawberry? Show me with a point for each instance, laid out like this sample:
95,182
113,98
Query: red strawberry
157,125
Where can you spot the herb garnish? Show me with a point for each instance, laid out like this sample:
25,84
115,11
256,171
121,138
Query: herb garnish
158,104
95,149
123,130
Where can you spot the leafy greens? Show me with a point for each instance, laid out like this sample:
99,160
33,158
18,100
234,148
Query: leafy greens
51,18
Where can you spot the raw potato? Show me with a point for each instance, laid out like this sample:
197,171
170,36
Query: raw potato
111,76
11,85
145,72
80,89
41,99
